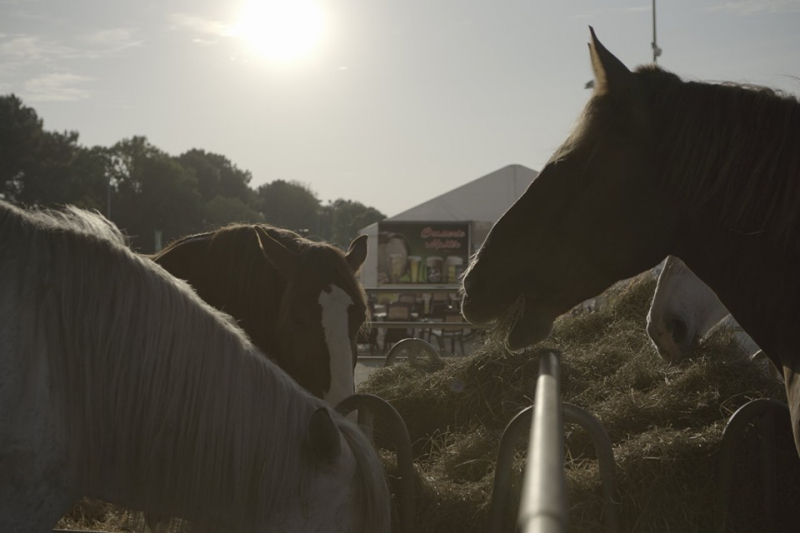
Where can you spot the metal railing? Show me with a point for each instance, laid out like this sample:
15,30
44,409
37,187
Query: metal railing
413,348
762,413
543,506
401,441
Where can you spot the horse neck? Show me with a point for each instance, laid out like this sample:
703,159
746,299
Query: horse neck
728,161
729,151
755,279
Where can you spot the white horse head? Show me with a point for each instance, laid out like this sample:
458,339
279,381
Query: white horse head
684,311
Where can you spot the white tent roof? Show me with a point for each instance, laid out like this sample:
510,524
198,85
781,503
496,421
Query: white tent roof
484,199
481,202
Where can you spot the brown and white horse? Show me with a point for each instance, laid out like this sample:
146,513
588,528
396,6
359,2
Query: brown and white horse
298,300
118,382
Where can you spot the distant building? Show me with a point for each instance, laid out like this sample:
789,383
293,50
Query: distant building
470,209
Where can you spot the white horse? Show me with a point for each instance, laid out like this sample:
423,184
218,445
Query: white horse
117,382
685,310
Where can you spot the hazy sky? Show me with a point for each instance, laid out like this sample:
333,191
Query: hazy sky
388,102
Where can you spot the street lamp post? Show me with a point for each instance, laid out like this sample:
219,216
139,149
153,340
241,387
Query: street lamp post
656,49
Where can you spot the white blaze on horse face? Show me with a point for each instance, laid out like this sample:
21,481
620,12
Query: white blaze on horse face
337,335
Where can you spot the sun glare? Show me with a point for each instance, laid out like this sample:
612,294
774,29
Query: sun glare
282,30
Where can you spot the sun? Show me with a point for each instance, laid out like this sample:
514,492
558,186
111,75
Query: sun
282,30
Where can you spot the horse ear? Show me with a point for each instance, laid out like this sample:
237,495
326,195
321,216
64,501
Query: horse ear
357,252
283,258
610,74
180,258
324,436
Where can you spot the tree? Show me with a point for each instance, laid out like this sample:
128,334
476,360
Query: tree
143,190
344,218
21,132
221,211
49,178
217,176
90,186
290,205
39,167
153,192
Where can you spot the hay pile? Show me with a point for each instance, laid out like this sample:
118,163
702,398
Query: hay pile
665,423
95,515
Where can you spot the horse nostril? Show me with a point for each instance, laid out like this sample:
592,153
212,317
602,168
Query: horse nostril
677,328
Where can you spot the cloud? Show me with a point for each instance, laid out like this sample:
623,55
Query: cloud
112,39
56,87
203,26
26,49
31,50
750,7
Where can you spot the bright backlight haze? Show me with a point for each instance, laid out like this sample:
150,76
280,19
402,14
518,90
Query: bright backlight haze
389,103
281,30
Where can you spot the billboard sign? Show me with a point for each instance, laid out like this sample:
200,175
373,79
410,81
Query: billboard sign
422,252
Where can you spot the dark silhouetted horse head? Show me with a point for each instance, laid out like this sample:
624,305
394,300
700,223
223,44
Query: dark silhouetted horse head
592,216
657,166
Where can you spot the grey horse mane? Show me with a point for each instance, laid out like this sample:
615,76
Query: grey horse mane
144,370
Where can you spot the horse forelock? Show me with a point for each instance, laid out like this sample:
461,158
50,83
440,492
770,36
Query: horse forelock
731,148
236,254
327,264
140,388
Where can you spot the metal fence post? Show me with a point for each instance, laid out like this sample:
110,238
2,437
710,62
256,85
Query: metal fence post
552,521
543,507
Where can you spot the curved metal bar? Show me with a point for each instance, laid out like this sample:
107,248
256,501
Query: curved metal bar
731,438
502,471
543,506
402,443
412,346
605,461
505,456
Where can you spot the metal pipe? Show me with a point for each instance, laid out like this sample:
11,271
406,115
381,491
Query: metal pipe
543,508
505,457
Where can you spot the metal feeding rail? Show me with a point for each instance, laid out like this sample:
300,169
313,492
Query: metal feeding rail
543,506
402,443
762,413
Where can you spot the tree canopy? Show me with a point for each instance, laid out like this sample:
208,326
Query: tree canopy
152,195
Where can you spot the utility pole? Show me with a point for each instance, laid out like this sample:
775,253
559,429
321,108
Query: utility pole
656,50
